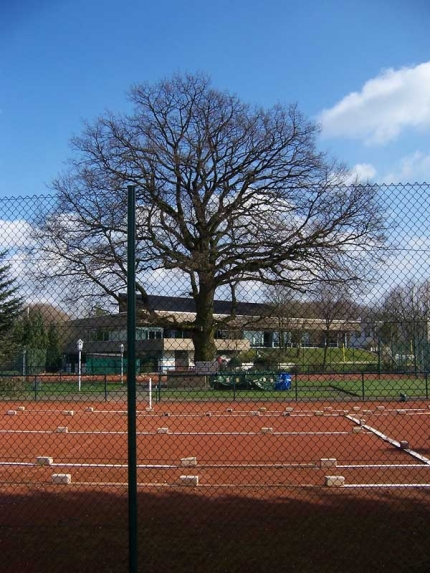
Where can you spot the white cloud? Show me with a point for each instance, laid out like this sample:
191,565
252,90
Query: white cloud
411,168
14,234
387,104
361,173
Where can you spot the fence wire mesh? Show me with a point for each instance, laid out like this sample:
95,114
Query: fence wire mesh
279,425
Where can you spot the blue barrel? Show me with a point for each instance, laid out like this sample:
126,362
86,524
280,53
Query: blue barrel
283,382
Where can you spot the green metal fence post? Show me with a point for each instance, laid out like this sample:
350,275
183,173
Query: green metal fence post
131,378
155,388
427,384
362,386
379,358
105,388
296,387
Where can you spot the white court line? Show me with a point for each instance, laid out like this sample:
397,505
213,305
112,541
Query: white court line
394,412
262,466
258,433
382,466
311,433
155,433
97,432
62,433
384,485
83,465
26,432
261,486
389,440
161,466
232,485
17,464
237,414
200,486
116,466
180,466
219,466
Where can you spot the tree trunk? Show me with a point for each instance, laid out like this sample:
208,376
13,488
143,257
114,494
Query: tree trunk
326,344
204,331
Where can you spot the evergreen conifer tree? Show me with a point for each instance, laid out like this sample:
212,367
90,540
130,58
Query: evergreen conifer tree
10,308
53,355
10,301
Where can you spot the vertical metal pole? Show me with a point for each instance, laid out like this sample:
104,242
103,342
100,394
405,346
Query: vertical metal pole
363,390
379,357
79,369
150,394
105,388
131,378
80,345
121,348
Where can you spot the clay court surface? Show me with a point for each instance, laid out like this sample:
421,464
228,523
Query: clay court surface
221,484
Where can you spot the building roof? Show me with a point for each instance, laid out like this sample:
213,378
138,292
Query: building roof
248,315
222,307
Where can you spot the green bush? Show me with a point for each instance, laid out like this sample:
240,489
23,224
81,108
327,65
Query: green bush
12,386
265,363
235,362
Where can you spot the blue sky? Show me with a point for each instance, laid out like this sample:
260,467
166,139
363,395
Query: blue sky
361,68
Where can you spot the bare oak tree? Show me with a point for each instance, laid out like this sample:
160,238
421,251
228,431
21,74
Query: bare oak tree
403,322
227,194
333,302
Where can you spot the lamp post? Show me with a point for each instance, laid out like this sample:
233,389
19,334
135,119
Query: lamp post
80,345
121,349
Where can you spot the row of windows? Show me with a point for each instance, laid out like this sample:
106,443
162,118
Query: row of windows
121,335
257,339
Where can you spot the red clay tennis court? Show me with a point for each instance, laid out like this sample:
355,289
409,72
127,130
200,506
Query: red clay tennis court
213,477
248,445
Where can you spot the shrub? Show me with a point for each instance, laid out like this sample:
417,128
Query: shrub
12,385
235,362
264,363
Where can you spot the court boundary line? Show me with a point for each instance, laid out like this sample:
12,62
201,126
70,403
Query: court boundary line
202,486
227,465
155,433
391,441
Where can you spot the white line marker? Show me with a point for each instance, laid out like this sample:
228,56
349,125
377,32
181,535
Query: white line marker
390,441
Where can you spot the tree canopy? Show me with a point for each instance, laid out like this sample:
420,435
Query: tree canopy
228,195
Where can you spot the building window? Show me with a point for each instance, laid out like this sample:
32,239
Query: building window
256,339
121,335
180,334
149,333
99,335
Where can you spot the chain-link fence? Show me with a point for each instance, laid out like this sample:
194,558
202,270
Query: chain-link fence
282,417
